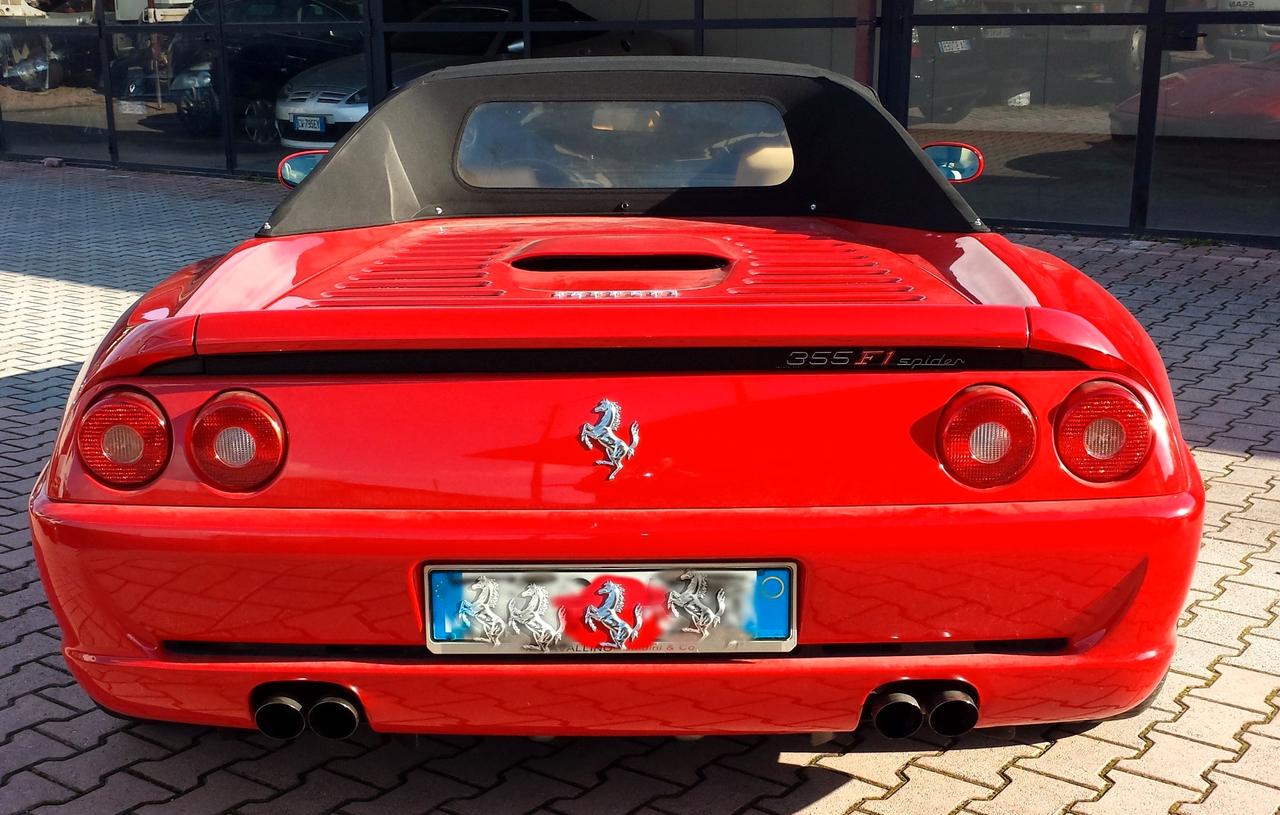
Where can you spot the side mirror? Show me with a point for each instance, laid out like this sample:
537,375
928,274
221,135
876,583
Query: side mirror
959,163
515,48
297,166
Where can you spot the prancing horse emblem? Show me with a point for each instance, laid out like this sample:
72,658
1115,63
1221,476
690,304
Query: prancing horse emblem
605,434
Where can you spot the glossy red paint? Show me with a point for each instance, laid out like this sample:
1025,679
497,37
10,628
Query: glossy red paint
1106,575
385,472
519,448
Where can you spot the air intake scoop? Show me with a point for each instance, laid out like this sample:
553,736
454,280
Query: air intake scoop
620,263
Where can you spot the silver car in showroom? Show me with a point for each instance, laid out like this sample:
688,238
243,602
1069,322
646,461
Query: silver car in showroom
318,106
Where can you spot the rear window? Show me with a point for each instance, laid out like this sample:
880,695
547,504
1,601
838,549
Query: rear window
624,144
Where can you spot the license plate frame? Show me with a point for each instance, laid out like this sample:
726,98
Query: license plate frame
304,123
446,585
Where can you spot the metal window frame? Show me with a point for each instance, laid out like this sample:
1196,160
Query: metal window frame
892,64
1159,22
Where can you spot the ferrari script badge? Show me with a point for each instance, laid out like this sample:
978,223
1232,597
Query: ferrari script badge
604,433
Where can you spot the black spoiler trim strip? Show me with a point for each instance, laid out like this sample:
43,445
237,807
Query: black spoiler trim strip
813,359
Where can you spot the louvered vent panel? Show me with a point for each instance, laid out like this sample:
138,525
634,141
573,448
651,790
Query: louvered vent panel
440,269
796,266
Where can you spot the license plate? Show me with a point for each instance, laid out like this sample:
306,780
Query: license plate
954,46
310,124
708,608
997,33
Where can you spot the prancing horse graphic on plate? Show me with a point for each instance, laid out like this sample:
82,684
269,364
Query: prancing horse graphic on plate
608,614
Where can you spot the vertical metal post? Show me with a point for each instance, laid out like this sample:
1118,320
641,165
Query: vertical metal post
864,39
222,68
526,17
104,76
700,29
1148,108
894,80
376,52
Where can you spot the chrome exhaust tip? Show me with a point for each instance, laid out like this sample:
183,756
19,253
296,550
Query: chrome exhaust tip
333,718
896,715
952,713
280,717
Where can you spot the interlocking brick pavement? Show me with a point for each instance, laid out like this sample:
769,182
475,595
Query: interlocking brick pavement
77,246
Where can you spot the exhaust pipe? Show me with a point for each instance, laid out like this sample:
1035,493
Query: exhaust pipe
896,715
952,713
280,717
334,718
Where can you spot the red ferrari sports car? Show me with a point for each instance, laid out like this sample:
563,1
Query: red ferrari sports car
622,396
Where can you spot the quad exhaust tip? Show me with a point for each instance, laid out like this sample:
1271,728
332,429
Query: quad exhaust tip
280,717
897,715
952,713
949,713
333,718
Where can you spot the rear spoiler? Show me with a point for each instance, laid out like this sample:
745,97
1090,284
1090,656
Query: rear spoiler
597,325
624,337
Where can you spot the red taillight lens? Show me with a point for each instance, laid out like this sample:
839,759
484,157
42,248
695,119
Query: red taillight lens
986,437
123,439
237,441
1104,432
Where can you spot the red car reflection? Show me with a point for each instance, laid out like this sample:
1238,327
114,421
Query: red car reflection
1236,100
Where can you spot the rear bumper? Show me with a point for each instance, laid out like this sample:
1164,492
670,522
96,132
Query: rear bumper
1105,577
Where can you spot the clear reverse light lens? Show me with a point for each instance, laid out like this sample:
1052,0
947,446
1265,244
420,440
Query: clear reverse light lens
1103,438
122,444
235,446
989,442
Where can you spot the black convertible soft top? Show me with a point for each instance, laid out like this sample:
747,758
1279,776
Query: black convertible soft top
852,160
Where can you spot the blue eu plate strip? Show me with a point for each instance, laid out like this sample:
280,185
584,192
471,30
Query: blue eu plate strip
446,597
772,605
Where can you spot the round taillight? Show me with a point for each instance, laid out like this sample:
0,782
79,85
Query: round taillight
1103,432
237,441
986,437
123,439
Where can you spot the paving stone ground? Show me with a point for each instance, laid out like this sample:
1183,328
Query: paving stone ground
77,246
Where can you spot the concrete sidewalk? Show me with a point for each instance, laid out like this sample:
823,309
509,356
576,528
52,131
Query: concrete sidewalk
77,246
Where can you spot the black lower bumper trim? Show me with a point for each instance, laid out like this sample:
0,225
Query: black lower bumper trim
232,651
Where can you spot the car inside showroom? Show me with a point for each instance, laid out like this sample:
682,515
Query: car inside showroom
1126,116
